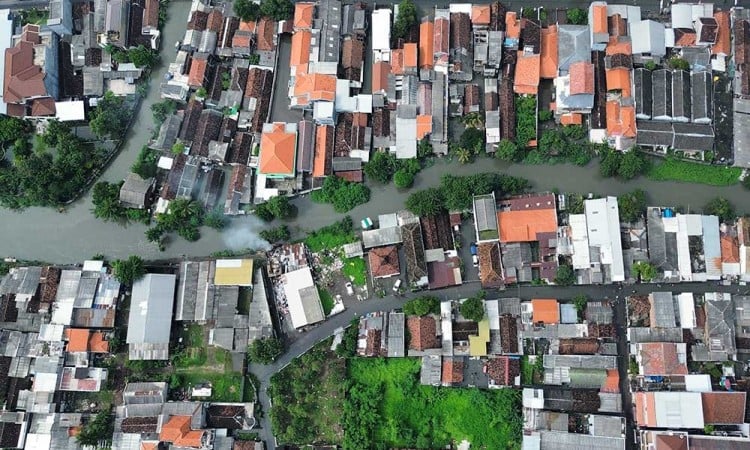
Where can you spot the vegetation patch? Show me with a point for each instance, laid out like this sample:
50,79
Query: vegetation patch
308,397
355,270
343,195
672,169
191,352
225,386
326,300
331,236
402,413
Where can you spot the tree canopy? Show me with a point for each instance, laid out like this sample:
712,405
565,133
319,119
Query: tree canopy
106,200
577,16
626,165
343,195
275,235
421,306
644,270
128,271
110,117
721,207
265,351
472,139
99,429
403,178
246,10
407,19
565,275
473,308
632,205
277,9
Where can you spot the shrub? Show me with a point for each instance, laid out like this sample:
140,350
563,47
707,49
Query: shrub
403,178
421,306
342,194
473,308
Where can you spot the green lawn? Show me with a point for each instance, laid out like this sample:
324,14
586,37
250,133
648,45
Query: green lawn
326,299
194,352
412,415
308,398
227,386
355,270
672,169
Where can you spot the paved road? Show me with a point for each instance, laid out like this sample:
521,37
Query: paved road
307,340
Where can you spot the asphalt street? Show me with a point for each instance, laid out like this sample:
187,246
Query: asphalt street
307,340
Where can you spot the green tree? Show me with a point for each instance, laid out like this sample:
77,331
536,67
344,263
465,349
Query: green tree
426,203
106,200
473,308
178,148
278,234
678,63
472,139
632,205
183,216
201,92
421,306
265,351
128,271
577,16
463,155
13,128
552,143
342,194
145,165
143,57
280,207
403,178
650,65
632,164
610,163
110,117
263,212
216,220
473,120
97,430
574,132
545,115
720,207
277,9
565,275
406,21
154,234
163,109
580,301
424,148
644,270
507,150
246,10
381,167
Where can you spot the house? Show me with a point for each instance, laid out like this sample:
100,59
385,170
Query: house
423,333
310,88
525,218
81,340
647,38
503,371
383,261
381,43
396,335
233,272
491,274
302,297
116,24
575,90
441,40
661,358
414,252
452,370
278,150
599,25
545,311
526,79
549,53
719,341
485,218
324,142
150,319
426,42
406,131
573,45
60,17
597,246
136,192
461,47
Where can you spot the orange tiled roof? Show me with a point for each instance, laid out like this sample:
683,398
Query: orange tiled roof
313,87
684,37
197,74
303,15
620,119
177,431
410,55
480,14
512,25
660,358
22,78
97,344
78,339
617,46
380,76
426,37
545,310
248,26
322,135
524,225
549,60
571,119
619,80
149,445
300,56
612,382
581,78
277,151
600,19
424,125
527,74
730,249
722,36
645,408
397,61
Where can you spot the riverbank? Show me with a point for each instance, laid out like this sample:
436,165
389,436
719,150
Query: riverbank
75,235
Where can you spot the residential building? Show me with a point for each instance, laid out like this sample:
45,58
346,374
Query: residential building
60,18
384,261
150,319
485,218
136,192
596,242
278,150
302,298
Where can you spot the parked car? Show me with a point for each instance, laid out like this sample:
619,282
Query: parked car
349,289
473,248
475,260
397,285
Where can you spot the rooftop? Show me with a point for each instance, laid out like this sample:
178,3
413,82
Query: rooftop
278,149
384,261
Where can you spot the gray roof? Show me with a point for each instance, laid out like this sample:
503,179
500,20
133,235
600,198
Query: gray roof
647,37
720,317
580,361
661,85
741,122
693,136
681,105
699,58
662,310
555,440
305,145
135,190
573,45
654,134
342,163
485,212
23,280
145,392
260,324
701,85
168,133
330,39
396,341
430,373
151,303
644,334
381,237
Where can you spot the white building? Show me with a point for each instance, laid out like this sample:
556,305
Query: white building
596,242
381,36
302,298
150,319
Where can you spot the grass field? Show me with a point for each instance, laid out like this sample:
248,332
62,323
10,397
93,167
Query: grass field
672,169
355,270
326,300
412,415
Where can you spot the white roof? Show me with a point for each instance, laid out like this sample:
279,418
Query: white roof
151,303
683,249
533,398
698,383
678,410
387,220
406,138
323,110
381,21
460,8
37,441
165,162
493,313
44,382
580,237
603,227
686,306
648,37
69,111
628,12
93,265
302,298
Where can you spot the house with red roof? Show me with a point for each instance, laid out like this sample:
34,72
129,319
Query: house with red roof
278,150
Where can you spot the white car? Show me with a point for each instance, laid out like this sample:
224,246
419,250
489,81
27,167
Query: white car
349,289
475,260
397,285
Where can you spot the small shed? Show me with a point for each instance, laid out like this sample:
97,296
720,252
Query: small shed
135,192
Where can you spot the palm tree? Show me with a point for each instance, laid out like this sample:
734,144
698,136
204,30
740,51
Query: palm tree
463,155
473,120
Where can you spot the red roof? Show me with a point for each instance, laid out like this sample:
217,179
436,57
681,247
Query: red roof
549,59
215,21
410,55
177,431
424,125
600,19
453,370
619,80
384,261
660,359
151,14
722,37
730,249
526,80
545,310
426,32
43,107
300,56
480,14
423,333
380,72
571,119
397,61
512,25
620,119
23,79
526,218
198,66
303,15
723,407
323,151
278,150
442,34
85,340
313,87
581,78
265,35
